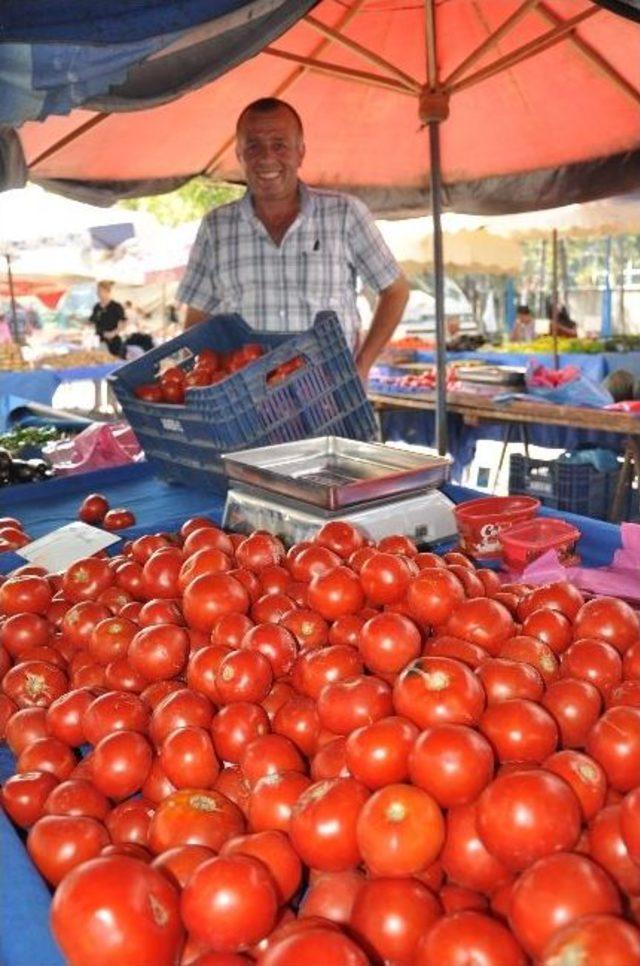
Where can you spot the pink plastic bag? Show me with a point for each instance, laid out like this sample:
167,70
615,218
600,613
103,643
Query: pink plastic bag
97,447
620,579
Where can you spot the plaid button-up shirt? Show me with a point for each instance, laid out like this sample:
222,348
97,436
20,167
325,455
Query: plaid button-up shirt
235,266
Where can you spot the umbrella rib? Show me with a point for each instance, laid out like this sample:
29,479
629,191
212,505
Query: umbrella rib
592,55
290,79
491,40
410,82
430,40
69,138
342,73
534,47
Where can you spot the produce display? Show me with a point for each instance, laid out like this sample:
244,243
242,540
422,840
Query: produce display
209,367
341,753
76,359
11,359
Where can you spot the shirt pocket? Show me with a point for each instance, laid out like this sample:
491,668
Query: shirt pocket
326,278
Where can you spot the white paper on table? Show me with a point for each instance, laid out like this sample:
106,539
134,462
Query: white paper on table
62,547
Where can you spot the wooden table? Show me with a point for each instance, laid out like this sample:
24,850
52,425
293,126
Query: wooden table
476,409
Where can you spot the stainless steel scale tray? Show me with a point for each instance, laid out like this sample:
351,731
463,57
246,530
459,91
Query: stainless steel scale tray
333,472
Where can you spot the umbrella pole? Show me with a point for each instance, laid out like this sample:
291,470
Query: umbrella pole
438,270
13,318
554,296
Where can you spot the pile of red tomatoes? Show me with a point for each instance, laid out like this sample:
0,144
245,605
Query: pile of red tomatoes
210,368
337,755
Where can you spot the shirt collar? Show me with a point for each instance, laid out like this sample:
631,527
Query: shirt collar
307,207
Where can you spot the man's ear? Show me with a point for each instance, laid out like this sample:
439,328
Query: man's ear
303,150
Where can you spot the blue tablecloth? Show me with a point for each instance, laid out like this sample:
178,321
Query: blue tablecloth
24,899
17,388
596,367
418,427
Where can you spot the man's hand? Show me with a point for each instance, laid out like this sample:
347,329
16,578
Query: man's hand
194,316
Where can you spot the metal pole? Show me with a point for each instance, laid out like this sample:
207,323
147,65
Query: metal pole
438,271
13,319
554,296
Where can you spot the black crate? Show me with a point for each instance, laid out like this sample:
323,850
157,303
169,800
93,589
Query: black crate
573,487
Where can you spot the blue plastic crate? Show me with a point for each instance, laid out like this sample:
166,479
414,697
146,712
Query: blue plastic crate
571,487
184,443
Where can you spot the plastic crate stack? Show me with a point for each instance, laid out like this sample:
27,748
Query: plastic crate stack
324,397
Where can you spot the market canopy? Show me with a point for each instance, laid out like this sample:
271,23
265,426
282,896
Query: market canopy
473,249
542,95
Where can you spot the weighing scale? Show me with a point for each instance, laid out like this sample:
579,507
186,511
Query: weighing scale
292,489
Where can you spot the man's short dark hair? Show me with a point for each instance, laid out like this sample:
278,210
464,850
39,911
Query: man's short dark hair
267,105
522,309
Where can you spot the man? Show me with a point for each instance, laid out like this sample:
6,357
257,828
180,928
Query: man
106,317
524,328
285,251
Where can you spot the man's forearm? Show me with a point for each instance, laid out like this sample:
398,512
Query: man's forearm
193,316
391,305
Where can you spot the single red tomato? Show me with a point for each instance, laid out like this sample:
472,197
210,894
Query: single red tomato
533,651
575,706
179,863
312,561
525,815
269,754
452,763
378,754
140,907
86,579
465,859
28,594
400,831
472,935
341,537
120,764
557,890
391,915
24,796
194,817
230,902
309,629
614,741
210,597
433,596
630,823
503,679
317,943
260,550
388,642
114,711
438,690
77,796
188,758
313,669
297,719
594,939
608,848
584,775
275,643
351,703
560,596
159,652
34,684
550,626
385,578
398,543
331,895
519,730
118,519
593,660
610,620
58,843
482,621
273,798
336,593
323,824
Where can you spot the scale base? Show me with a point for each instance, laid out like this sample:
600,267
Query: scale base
426,517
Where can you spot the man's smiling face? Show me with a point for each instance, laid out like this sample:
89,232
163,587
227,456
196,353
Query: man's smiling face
270,150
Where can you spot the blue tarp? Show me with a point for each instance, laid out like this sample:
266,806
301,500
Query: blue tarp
56,56
110,22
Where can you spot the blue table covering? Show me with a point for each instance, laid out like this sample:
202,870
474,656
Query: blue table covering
17,388
596,367
24,898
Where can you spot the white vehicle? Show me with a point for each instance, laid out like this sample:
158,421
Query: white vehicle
419,317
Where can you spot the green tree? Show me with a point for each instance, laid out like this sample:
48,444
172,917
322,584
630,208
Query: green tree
187,203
